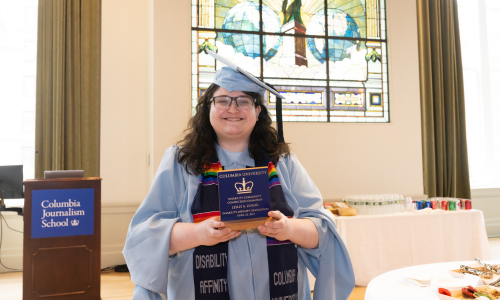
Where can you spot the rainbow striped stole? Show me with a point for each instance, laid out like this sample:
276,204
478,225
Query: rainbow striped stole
198,218
209,177
274,181
273,176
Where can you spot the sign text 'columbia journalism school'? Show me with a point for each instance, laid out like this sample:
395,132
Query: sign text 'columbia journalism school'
64,212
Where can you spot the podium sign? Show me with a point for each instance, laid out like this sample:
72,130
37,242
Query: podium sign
244,198
62,239
64,212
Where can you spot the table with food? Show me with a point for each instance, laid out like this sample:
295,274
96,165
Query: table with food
452,280
488,274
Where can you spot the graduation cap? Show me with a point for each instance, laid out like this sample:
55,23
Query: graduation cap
234,78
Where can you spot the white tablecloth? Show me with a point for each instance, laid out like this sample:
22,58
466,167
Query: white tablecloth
392,286
379,244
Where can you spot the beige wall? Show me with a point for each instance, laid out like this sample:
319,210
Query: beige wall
124,99
146,66
372,158
488,201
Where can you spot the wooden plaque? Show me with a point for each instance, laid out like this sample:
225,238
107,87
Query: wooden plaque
246,224
244,198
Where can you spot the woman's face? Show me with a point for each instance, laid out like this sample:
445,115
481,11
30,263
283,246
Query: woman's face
233,123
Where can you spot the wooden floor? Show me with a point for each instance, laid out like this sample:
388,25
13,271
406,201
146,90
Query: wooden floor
114,286
358,293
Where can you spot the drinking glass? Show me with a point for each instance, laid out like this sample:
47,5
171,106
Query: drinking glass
408,204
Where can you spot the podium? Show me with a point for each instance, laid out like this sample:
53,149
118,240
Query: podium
62,239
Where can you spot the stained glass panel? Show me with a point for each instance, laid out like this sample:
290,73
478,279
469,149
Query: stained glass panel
327,57
236,15
295,15
302,103
291,62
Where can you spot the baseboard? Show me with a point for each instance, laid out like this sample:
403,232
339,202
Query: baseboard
12,258
115,220
111,255
485,193
493,227
488,201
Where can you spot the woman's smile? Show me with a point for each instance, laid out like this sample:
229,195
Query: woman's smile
233,124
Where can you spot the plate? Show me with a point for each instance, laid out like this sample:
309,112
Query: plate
457,294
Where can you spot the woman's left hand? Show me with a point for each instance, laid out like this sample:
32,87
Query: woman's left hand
281,228
302,232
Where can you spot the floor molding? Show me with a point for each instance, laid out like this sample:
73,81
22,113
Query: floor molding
115,220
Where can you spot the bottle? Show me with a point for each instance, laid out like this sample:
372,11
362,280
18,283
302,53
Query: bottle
361,204
401,203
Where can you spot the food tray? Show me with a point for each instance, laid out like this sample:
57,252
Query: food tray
334,206
347,211
486,280
457,294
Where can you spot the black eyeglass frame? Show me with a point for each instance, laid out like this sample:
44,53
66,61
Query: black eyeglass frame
233,99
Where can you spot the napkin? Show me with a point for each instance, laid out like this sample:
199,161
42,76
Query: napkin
418,279
455,283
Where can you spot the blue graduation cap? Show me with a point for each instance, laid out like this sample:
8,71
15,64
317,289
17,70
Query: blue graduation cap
234,78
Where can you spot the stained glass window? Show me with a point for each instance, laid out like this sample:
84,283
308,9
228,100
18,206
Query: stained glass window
327,57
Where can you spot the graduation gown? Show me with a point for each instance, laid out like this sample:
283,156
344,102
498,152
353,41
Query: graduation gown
160,276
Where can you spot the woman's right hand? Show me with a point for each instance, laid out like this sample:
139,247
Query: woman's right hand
211,232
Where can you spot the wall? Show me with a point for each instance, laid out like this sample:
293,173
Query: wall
124,100
12,242
488,200
372,158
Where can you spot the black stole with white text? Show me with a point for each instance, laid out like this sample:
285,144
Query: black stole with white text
210,262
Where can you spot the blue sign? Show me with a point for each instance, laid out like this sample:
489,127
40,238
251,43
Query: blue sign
244,193
65,212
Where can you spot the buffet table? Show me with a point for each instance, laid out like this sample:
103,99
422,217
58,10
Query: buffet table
393,285
382,243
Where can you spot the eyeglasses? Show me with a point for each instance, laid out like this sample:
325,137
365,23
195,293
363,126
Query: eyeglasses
242,102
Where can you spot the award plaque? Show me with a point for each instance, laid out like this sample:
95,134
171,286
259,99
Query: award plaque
244,198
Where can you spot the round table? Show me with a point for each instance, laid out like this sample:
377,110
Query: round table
392,286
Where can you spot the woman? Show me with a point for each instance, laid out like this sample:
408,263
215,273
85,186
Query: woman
232,129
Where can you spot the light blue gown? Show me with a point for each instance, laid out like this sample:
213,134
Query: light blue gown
158,276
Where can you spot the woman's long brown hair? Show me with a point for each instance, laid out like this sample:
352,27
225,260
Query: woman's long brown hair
199,140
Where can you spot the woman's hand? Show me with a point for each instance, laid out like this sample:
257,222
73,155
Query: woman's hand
281,228
190,235
302,232
209,235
